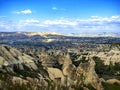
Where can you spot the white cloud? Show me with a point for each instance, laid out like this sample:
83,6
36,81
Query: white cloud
94,23
59,22
4,26
54,8
58,9
31,21
26,11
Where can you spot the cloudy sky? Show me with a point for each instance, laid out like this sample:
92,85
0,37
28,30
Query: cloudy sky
63,16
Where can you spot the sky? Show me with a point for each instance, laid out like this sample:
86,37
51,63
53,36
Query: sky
63,16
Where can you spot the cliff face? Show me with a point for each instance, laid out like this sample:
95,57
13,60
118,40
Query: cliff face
10,57
20,67
86,71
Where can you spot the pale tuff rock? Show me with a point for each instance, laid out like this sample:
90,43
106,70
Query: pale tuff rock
51,58
86,71
108,47
92,77
31,65
69,71
67,74
113,81
21,60
6,54
44,58
26,59
3,61
10,56
15,52
111,56
18,80
66,61
13,61
33,80
57,76
42,80
54,73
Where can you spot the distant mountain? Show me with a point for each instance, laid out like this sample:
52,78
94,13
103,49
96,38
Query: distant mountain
43,34
28,35
101,34
11,37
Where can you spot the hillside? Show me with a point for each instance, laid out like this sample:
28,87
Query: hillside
47,67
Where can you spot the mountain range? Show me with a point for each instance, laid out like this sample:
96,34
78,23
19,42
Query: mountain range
49,34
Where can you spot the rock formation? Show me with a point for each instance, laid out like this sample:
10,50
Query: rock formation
87,75
53,69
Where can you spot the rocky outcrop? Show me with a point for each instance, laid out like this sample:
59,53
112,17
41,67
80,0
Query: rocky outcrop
11,56
111,56
55,73
53,68
18,80
14,62
87,75
3,62
106,56
66,61
113,81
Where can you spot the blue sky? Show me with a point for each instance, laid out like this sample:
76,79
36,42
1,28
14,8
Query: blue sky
64,16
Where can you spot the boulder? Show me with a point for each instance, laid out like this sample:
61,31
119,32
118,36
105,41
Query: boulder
54,73
113,81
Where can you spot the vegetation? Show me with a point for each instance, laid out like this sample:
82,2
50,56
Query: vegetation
109,70
111,86
7,84
75,57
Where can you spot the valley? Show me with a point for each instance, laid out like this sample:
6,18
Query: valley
52,61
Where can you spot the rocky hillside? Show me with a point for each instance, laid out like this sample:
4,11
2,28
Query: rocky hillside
22,67
49,70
